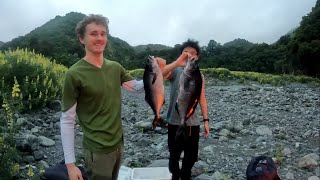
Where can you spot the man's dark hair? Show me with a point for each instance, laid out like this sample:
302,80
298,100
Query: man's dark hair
190,43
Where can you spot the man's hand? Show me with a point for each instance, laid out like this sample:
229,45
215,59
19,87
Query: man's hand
161,62
182,59
74,172
166,69
206,129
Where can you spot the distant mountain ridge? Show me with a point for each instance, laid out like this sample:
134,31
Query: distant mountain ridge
238,42
151,47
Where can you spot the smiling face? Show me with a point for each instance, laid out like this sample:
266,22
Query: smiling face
95,38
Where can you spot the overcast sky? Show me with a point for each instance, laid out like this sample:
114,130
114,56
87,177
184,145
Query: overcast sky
167,22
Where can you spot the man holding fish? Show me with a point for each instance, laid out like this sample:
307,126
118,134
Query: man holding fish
186,91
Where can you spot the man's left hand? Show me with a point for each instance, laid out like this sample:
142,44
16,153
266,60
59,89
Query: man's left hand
206,129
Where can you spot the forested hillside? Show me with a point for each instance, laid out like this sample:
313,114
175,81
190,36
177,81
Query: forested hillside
57,40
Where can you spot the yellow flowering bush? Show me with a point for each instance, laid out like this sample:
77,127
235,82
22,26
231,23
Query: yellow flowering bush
8,152
35,78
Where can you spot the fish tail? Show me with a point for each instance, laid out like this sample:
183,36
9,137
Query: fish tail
181,134
158,121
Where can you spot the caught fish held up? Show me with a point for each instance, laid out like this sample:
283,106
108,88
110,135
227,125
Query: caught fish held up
190,85
154,89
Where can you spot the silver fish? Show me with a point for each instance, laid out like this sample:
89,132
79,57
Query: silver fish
154,89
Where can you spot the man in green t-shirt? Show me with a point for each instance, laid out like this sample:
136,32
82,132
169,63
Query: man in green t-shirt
92,92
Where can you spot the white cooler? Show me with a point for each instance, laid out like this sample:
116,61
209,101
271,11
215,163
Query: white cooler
148,173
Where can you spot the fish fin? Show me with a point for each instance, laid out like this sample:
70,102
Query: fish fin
192,109
181,134
177,109
154,78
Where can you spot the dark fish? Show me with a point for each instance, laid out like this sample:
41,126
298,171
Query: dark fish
190,83
154,89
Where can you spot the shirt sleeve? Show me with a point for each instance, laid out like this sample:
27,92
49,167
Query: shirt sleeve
70,91
125,76
67,122
134,86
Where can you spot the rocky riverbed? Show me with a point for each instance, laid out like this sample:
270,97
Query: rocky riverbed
245,121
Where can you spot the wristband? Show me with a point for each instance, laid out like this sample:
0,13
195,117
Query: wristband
204,120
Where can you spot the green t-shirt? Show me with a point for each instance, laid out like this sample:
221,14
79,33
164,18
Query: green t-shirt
97,92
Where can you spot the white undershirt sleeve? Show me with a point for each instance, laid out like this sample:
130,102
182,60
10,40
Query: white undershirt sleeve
67,123
134,86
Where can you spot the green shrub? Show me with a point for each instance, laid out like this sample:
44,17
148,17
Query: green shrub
282,79
137,73
219,73
8,152
224,74
279,154
37,78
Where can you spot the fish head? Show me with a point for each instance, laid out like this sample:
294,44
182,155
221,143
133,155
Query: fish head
192,65
150,63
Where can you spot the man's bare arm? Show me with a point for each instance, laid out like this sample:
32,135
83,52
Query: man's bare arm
167,69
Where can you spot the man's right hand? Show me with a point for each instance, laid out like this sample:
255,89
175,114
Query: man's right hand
161,62
182,59
74,172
